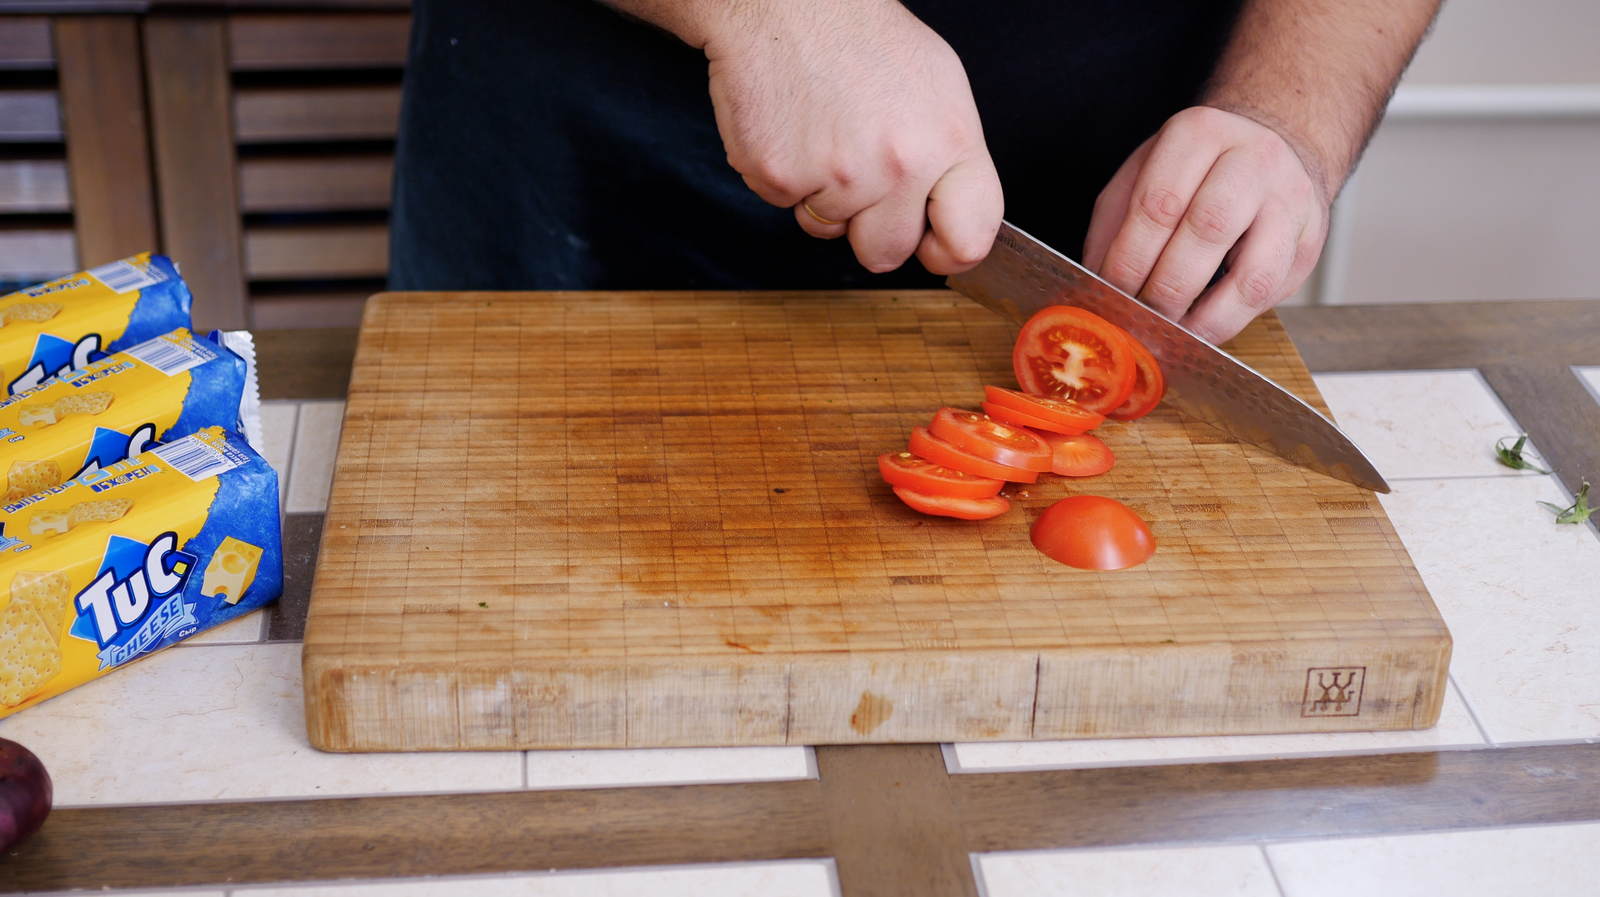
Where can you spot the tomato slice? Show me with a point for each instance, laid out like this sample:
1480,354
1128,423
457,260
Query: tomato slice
1067,414
928,478
999,442
926,445
1066,353
1024,419
1149,384
1078,456
953,506
1093,533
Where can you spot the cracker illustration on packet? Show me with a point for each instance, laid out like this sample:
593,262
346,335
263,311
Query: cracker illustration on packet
71,321
162,389
132,558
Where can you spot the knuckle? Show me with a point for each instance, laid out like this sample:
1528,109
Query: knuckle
1124,273
1211,222
844,173
1161,206
968,251
1165,292
777,178
1258,289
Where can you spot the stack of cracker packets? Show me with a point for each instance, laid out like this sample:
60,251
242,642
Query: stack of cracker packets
135,513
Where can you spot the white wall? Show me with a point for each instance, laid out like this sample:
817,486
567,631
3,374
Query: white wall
1483,182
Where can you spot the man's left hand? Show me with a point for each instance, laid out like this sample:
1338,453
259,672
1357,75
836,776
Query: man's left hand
1211,189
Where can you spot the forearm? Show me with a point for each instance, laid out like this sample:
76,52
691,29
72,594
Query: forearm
1319,72
717,26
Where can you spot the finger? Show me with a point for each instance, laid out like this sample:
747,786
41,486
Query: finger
1111,208
1166,182
811,220
1224,206
886,233
1267,267
964,210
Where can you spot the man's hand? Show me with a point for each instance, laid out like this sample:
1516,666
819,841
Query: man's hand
1246,179
1211,187
856,110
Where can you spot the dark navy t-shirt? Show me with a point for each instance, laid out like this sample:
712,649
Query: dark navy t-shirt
556,144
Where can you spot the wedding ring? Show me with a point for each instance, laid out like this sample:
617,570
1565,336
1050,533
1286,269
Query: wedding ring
821,220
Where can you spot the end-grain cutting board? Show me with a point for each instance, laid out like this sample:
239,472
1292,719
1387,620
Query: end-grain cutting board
608,520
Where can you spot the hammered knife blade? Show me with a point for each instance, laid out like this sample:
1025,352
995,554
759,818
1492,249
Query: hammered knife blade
1022,275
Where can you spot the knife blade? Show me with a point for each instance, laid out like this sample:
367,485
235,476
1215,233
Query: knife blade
1022,275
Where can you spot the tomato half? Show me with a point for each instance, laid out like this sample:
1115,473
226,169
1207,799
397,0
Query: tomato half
928,478
1023,419
926,445
1067,353
1093,533
1149,384
1002,443
952,506
1067,414
1078,456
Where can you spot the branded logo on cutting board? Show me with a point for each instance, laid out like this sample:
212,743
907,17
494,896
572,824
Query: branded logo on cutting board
1333,691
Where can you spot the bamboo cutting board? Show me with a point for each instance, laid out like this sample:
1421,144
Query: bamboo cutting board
627,520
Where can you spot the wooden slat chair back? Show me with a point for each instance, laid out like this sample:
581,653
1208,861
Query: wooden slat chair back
256,148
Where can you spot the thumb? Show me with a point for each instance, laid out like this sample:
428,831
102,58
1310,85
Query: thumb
964,211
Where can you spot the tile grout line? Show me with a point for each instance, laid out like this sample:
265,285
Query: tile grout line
1271,869
288,463
1483,730
1593,386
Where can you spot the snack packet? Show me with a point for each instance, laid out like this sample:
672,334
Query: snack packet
87,419
71,321
126,560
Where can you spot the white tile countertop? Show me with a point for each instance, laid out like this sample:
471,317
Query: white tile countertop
220,717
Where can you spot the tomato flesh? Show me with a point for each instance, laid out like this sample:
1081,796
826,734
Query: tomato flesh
928,478
1149,384
1002,443
954,506
1024,419
1093,533
1083,455
926,445
1069,354
1067,414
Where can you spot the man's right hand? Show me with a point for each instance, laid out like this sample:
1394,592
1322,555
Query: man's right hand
856,110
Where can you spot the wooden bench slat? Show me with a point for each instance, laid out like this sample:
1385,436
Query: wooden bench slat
29,115
25,43
34,185
269,41
316,251
322,184
277,114
186,62
101,77
34,254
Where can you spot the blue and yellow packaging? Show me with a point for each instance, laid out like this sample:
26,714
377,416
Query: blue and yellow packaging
71,321
128,559
85,419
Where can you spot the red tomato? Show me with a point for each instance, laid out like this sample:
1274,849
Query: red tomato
1093,533
1066,353
951,506
1002,443
926,445
1023,419
1067,414
1149,384
928,478
1078,456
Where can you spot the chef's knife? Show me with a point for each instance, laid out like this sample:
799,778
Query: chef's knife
1022,275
